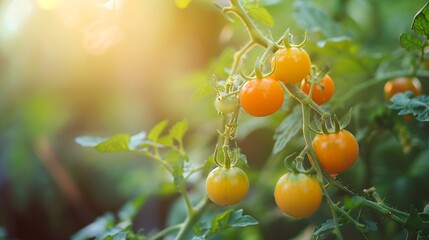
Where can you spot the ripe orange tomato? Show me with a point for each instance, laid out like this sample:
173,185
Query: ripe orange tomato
261,97
336,152
227,186
298,195
402,84
321,92
292,64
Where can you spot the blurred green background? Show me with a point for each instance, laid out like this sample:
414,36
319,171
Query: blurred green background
92,67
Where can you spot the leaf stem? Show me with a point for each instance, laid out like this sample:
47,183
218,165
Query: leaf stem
333,213
166,231
158,159
192,218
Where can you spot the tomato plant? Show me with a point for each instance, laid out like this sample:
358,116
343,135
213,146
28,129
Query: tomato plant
352,39
337,151
292,64
322,91
261,97
298,195
227,186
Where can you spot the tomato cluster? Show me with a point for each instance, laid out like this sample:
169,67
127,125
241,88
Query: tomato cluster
264,96
296,193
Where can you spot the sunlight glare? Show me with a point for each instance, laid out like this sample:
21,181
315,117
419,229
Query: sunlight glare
48,4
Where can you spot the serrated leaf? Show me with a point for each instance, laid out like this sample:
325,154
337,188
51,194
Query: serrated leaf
324,230
182,3
414,221
100,225
116,143
410,42
259,13
177,161
157,130
315,19
287,129
178,130
237,219
421,21
405,104
224,221
117,232
130,209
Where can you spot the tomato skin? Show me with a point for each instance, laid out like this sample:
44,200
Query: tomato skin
226,104
402,84
321,93
336,152
227,186
298,195
261,97
292,64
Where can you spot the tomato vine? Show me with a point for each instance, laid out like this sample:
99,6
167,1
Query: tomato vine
325,141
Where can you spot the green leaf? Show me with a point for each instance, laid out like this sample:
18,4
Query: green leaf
414,222
157,130
237,219
177,161
224,221
405,104
410,42
289,127
421,21
258,13
101,224
178,130
117,232
182,3
130,209
117,143
220,67
315,19
324,230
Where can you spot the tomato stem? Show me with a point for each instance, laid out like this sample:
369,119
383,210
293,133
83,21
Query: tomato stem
192,218
166,231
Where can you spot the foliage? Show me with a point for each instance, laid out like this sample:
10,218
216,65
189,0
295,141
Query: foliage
381,194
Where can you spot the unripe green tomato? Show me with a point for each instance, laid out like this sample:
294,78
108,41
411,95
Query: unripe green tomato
226,104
